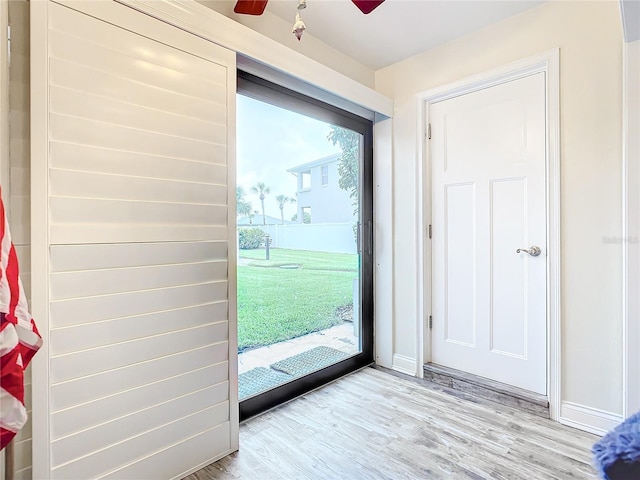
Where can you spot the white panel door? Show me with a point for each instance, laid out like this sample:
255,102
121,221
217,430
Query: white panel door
488,172
135,295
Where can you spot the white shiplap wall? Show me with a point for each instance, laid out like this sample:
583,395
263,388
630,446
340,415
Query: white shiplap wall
18,199
140,310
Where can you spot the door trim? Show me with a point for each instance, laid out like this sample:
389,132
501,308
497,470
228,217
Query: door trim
630,230
40,401
548,63
264,90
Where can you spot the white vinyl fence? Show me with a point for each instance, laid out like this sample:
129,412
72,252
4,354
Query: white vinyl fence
320,237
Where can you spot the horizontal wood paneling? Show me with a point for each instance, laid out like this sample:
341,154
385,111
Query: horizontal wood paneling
115,85
20,208
78,311
103,436
22,452
17,191
27,388
20,91
24,474
19,147
24,259
94,34
25,432
70,285
77,103
20,179
19,118
142,70
91,388
70,258
136,448
103,211
141,350
122,187
72,156
127,403
99,334
19,201
119,233
89,362
20,58
138,291
69,129
191,450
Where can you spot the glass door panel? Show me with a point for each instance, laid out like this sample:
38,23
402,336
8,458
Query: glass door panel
300,237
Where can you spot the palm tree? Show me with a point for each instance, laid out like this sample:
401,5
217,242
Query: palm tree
262,190
282,201
240,193
242,206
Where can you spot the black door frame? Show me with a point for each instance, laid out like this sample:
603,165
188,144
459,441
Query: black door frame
255,87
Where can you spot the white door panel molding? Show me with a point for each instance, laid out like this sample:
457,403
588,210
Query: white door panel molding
546,64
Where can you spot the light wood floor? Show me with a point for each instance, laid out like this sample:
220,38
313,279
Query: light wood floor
373,425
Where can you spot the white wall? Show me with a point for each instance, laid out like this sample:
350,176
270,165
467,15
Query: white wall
632,228
279,30
383,240
590,39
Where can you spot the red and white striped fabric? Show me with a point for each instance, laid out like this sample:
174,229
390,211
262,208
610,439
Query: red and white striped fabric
19,338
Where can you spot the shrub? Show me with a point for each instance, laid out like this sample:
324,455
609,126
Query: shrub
250,238
306,217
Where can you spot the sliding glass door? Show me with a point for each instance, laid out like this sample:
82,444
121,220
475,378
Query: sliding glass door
305,246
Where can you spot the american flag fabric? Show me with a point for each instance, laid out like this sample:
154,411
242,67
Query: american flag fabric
19,338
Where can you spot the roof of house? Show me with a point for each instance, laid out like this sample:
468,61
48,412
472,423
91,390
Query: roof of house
315,163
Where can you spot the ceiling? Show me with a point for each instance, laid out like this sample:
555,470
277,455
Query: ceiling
397,29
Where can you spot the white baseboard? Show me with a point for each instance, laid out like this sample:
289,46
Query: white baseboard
406,365
588,419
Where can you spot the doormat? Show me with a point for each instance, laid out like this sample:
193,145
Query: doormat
309,361
258,380
261,379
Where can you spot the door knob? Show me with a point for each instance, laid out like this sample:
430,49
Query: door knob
533,251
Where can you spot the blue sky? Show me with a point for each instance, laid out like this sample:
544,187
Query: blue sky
271,140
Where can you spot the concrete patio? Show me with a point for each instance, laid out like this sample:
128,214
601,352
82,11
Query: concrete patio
340,337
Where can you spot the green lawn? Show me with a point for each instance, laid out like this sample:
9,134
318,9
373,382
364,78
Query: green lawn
309,260
276,304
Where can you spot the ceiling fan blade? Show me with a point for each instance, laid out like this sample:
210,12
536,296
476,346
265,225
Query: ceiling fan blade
250,7
367,6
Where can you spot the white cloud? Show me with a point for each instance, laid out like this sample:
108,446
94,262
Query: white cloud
271,140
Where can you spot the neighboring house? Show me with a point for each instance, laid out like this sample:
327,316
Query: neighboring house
319,194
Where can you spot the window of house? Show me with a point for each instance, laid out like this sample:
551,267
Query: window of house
306,214
325,175
305,180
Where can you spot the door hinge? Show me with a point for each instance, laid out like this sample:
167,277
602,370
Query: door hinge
429,231
429,132
430,322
